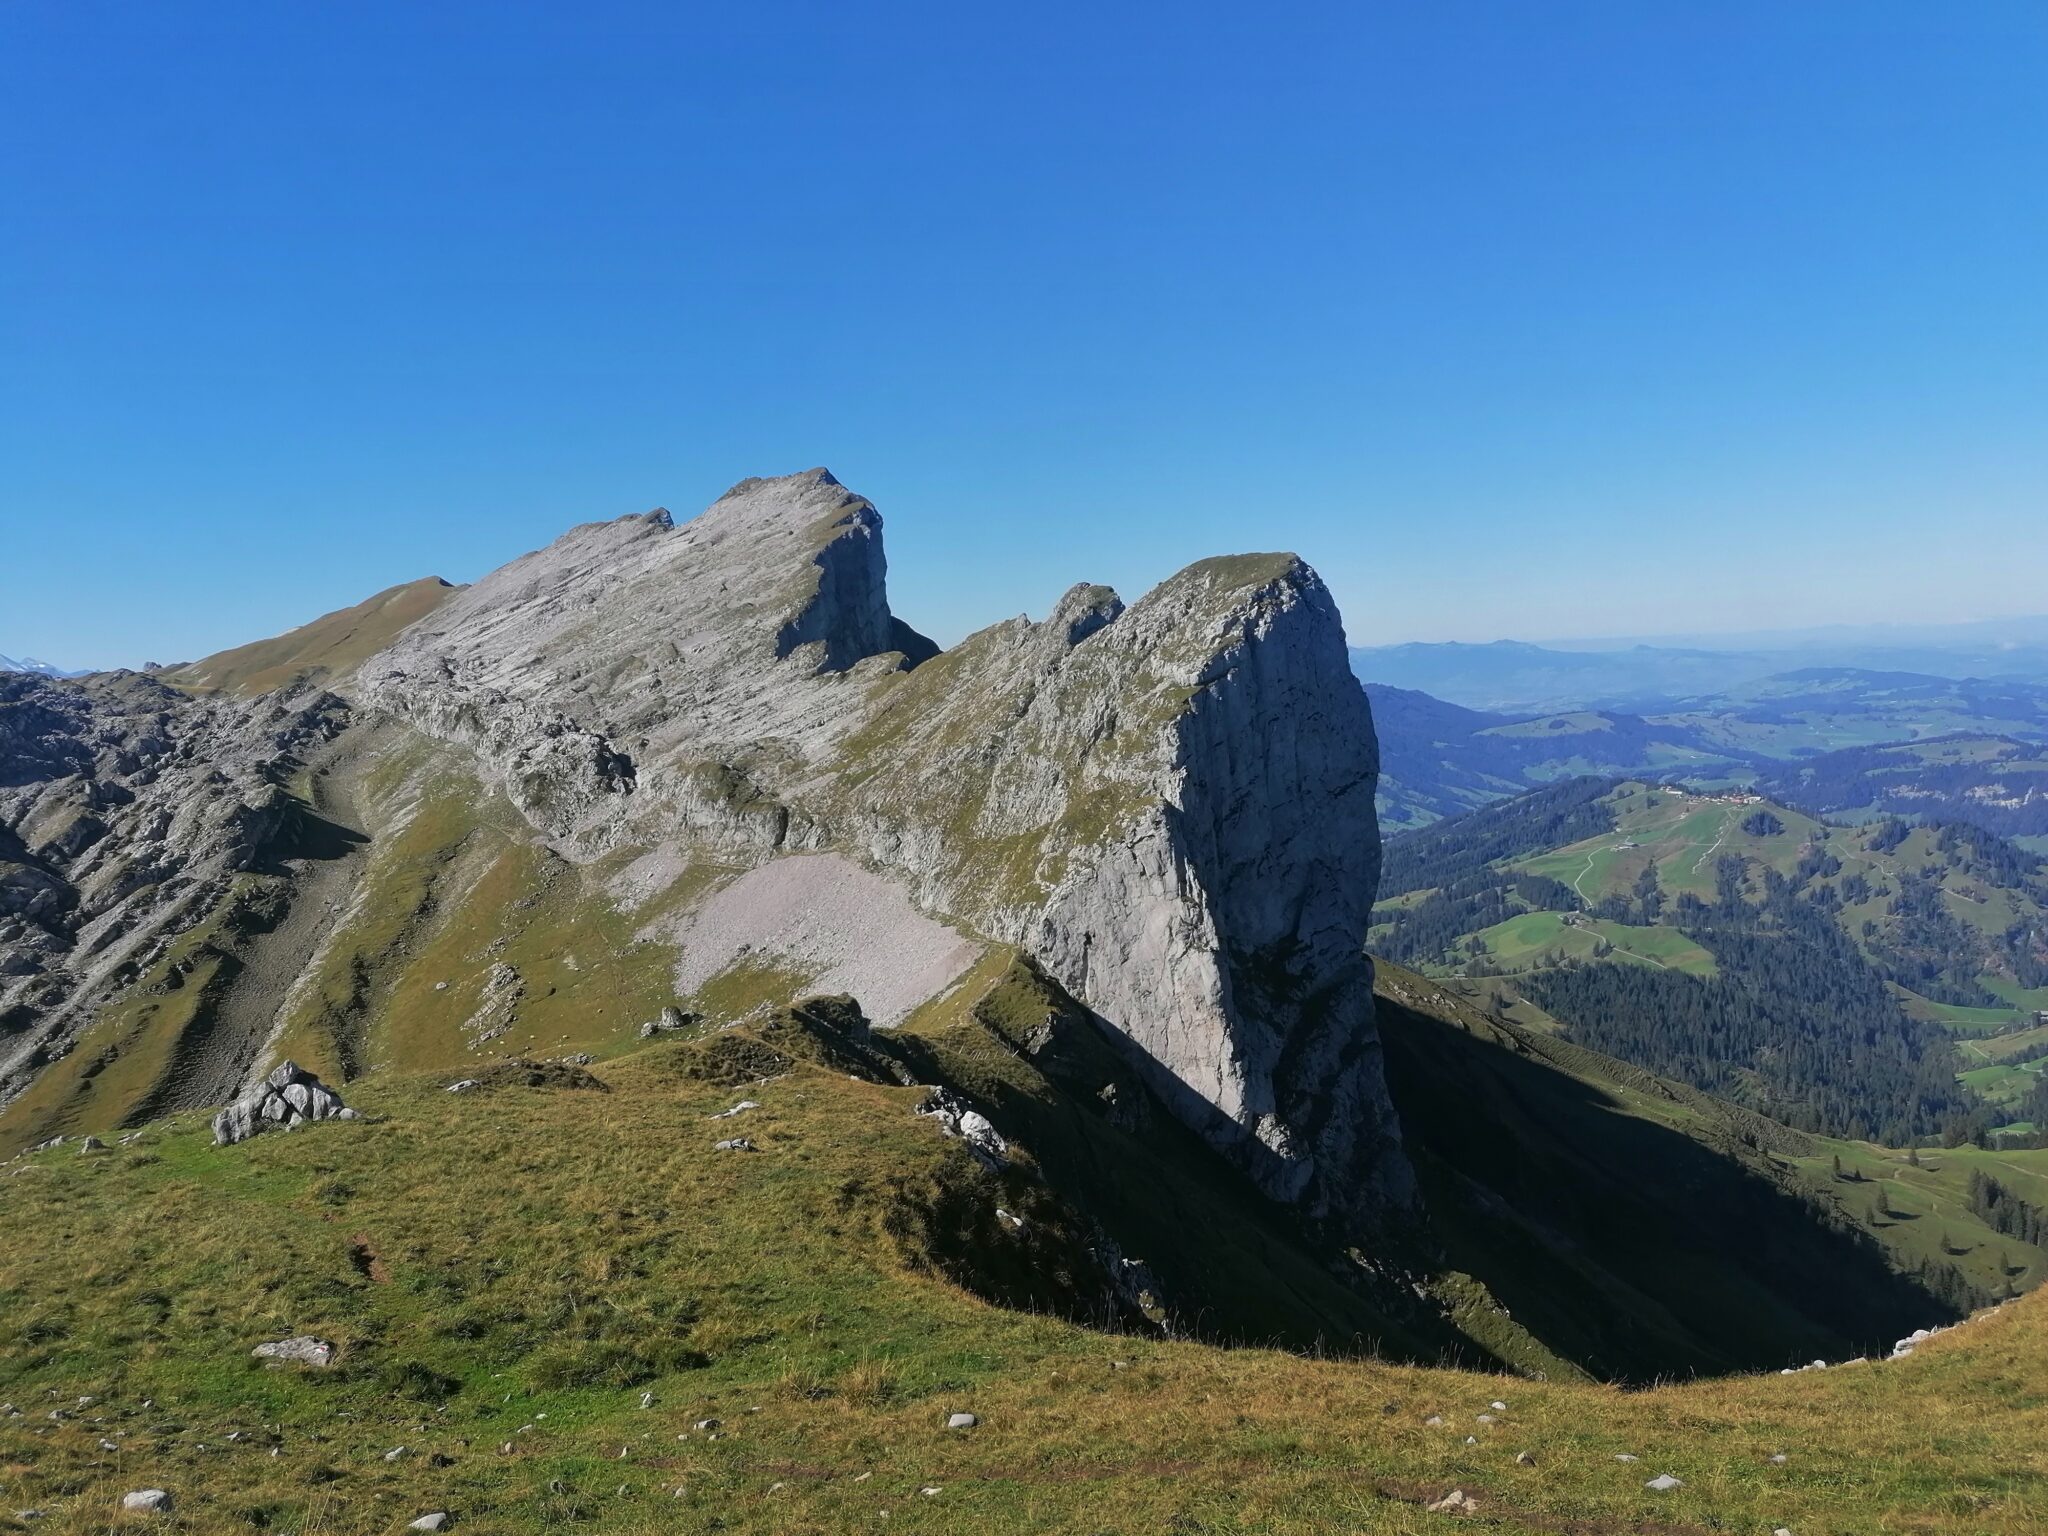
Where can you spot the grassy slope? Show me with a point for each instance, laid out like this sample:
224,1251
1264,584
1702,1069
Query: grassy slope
516,1268
1523,940
329,646
454,885
1642,1227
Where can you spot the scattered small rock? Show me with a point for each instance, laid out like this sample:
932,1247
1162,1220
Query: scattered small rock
1498,1407
154,1501
1624,1456
738,1109
465,1085
1434,1421
1524,1459
90,1144
1664,1482
396,1453
733,1144
962,1421
1780,1459
646,1399
1456,1502
437,1521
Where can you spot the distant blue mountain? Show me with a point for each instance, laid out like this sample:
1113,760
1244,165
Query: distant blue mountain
31,664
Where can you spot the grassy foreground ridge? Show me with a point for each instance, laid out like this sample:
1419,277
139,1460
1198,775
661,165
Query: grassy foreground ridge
507,1272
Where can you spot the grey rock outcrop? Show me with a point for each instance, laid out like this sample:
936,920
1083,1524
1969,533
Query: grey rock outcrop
1169,805
958,1119
302,1349
128,813
288,1096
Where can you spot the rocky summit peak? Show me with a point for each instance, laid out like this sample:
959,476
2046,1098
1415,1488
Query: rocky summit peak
1170,806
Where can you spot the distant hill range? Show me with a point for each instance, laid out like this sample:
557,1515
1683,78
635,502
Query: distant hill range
1442,757
1514,677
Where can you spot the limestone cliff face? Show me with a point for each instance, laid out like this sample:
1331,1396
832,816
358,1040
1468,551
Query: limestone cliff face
1170,806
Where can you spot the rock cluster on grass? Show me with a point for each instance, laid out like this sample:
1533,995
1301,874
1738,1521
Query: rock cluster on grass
958,1119
289,1096
672,1019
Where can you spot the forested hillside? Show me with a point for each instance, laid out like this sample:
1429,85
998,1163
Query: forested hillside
1988,781
1879,982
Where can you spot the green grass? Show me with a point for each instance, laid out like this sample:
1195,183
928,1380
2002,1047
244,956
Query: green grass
519,1275
332,644
1523,942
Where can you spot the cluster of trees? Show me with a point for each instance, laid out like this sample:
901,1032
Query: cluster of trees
2005,1212
1428,929
1762,823
1796,1024
1925,946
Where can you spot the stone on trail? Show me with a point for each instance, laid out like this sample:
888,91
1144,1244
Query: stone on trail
962,1421
154,1501
1664,1482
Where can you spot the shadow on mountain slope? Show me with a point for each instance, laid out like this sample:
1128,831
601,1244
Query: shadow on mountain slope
1634,1226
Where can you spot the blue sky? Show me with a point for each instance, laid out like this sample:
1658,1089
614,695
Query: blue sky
1530,320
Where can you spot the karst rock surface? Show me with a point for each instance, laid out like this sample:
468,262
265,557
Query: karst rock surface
1169,805
128,810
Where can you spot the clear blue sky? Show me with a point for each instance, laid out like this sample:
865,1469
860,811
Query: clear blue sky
1531,320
